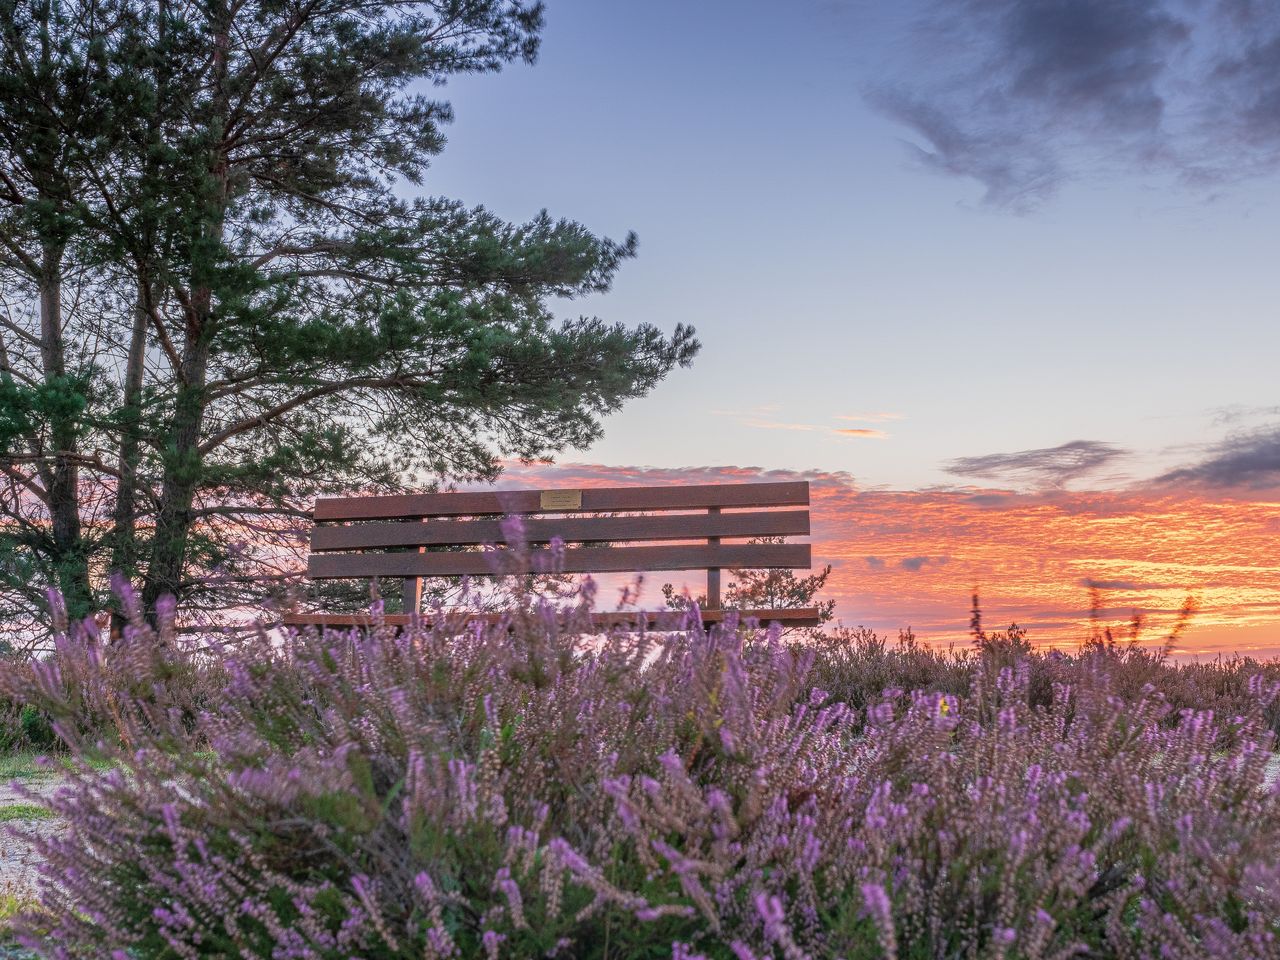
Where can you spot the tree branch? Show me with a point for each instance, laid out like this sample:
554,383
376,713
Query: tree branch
231,510
30,483
23,257
328,389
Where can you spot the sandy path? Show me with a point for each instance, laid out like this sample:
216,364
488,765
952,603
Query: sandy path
18,860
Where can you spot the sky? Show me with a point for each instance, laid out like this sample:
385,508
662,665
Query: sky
997,276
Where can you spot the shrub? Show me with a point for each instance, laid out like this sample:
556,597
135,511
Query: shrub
92,689
24,727
857,665
520,790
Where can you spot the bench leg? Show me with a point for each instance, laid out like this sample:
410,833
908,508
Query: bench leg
713,574
411,595
411,592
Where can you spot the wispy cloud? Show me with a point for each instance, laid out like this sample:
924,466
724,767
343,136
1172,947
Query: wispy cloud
1051,467
916,564
1016,171
762,420
1237,412
861,432
870,417
1133,586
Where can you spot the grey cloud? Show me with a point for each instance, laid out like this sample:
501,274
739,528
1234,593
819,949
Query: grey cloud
1121,585
1243,12
1021,95
1049,466
1094,58
993,500
1015,172
1234,413
916,564
875,563
1250,460
1249,83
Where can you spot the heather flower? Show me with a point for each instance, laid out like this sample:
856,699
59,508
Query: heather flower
881,912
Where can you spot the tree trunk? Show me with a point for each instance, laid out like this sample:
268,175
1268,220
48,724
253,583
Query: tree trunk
68,558
124,533
183,460
182,474
125,559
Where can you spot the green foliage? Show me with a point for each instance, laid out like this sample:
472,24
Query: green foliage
778,589
25,727
20,766
27,410
12,905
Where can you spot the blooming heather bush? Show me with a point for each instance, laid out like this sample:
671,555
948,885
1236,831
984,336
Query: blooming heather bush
856,665
92,689
519,791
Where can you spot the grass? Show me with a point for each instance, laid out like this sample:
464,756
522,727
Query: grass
12,903
28,765
23,811
23,766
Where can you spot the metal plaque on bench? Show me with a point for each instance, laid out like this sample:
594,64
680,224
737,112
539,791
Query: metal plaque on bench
561,500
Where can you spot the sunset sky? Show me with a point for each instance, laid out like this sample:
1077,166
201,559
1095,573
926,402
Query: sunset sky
998,277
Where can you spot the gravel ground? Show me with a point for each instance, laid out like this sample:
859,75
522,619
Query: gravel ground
18,861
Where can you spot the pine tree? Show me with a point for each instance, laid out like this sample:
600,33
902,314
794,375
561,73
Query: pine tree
275,319
50,122
779,589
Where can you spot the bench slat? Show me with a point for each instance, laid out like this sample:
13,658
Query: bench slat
692,497
579,560
689,526
791,617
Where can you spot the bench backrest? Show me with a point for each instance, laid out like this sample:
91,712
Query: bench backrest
375,536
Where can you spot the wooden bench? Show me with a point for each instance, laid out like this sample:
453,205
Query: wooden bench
633,529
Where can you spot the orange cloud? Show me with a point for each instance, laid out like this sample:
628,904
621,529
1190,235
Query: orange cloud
862,432
911,558
766,424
